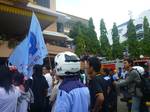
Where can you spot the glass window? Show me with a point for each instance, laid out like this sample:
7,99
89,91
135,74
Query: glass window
44,3
60,27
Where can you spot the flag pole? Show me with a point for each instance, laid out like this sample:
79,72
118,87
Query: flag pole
49,61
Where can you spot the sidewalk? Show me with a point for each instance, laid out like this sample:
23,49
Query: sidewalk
121,106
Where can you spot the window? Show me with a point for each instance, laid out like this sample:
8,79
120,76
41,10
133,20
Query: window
140,36
139,27
60,27
120,31
44,3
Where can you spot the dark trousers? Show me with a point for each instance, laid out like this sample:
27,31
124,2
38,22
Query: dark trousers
48,106
38,106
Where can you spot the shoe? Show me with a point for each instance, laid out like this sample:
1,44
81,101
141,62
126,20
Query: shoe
124,99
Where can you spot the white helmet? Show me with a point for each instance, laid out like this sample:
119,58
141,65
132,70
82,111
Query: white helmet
139,69
66,64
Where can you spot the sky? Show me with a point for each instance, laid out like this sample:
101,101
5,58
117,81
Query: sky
110,10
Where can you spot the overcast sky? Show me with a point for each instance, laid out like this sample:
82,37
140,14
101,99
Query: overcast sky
110,10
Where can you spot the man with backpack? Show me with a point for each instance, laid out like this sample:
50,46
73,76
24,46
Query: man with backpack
132,81
145,87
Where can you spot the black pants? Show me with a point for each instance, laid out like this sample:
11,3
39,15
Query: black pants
47,106
38,106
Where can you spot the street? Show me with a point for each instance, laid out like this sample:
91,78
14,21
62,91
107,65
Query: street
121,106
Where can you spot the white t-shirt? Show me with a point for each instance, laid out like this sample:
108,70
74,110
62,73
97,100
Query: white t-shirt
49,79
8,101
24,100
54,94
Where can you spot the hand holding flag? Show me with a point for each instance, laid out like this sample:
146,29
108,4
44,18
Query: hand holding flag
32,50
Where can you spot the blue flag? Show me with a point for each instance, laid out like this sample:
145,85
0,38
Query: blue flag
30,51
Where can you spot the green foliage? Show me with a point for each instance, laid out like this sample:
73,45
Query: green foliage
92,41
91,25
105,46
116,47
85,38
146,28
80,45
145,42
86,41
76,29
132,40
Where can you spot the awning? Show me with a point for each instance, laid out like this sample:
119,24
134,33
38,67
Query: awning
44,10
60,16
56,35
15,19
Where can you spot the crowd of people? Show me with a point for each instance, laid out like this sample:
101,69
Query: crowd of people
74,85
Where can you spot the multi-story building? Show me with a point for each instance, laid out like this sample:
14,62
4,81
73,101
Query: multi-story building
122,28
65,27
15,16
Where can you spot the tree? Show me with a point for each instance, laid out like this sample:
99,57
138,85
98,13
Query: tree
145,42
80,44
77,27
133,45
124,48
85,38
116,47
92,41
78,33
105,46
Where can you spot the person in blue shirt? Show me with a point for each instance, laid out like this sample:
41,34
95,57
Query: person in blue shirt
73,95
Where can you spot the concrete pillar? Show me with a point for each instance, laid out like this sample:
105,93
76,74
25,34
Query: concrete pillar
53,5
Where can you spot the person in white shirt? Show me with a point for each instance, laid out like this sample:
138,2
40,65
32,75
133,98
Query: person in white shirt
26,98
54,93
8,93
48,77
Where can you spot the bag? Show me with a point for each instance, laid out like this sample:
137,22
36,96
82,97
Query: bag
144,85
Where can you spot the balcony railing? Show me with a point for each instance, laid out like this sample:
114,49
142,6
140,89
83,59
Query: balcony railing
53,49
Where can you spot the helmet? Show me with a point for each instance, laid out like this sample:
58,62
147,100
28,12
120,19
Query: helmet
139,69
66,64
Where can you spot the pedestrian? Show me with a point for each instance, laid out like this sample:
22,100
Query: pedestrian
8,93
26,97
19,83
84,77
113,93
97,92
54,92
40,89
48,77
72,96
132,81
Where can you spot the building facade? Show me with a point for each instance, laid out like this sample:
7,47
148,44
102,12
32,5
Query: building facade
122,28
65,27
15,17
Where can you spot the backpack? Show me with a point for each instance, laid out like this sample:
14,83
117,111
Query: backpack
145,84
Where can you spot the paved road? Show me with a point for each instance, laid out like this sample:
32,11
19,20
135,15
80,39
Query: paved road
121,106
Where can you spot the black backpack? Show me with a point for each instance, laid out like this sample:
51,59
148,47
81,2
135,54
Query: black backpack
145,86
